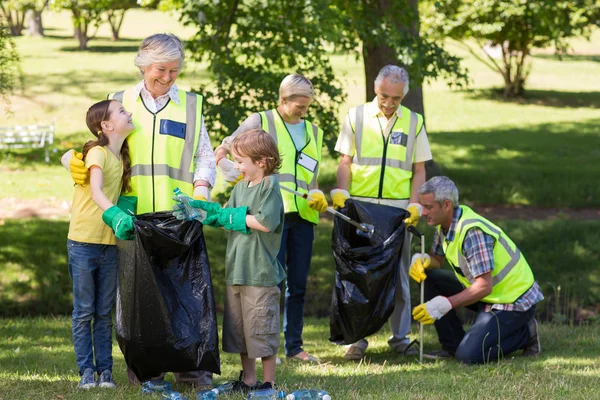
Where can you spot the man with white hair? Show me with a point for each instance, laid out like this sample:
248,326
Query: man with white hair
384,148
490,276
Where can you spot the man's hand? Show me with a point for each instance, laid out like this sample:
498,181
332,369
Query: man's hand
434,309
120,222
414,210
316,200
230,174
339,197
79,173
418,266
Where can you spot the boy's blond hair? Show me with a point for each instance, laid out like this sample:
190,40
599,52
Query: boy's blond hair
258,145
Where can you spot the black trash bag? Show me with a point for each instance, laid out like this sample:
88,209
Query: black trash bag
366,270
166,320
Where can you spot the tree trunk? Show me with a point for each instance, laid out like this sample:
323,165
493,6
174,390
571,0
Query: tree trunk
115,21
34,23
377,55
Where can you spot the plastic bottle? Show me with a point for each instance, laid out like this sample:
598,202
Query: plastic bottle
191,212
266,394
309,394
172,395
155,385
206,395
225,387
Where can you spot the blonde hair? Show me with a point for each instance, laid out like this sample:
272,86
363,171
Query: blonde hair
159,48
295,85
258,145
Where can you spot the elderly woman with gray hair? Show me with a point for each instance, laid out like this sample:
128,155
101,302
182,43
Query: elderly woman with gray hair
169,148
299,141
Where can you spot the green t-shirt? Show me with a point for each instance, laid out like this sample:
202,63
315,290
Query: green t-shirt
251,260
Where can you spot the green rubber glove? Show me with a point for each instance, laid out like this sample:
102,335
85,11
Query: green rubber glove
207,207
128,204
232,219
120,222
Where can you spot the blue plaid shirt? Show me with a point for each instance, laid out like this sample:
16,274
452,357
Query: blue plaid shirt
478,249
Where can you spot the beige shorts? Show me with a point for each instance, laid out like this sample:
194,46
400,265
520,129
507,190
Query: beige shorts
251,321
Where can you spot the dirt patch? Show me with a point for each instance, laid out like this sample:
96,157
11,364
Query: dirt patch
14,208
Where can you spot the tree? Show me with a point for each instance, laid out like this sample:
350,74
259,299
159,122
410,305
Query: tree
85,14
515,27
13,12
116,10
388,32
34,18
9,64
250,46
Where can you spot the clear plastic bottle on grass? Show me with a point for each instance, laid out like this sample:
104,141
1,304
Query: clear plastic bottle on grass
206,395
309,394
155,386
172,395
266,394
223,388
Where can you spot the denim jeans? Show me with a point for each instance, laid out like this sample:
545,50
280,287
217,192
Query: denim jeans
494,333
93,270
294,255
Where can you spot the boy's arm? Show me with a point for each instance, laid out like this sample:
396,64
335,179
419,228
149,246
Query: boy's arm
96,183
252,223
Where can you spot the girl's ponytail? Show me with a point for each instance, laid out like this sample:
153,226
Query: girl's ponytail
126,159
93,119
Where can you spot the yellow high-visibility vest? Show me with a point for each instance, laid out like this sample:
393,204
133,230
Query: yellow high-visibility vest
382,168
292,174
162,148
511,276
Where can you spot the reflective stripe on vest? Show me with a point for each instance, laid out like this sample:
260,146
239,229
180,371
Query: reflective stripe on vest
376,155
161,161
511,275
291,174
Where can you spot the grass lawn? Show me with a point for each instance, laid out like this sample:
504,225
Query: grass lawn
37,362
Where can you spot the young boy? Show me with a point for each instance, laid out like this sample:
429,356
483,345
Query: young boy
254,216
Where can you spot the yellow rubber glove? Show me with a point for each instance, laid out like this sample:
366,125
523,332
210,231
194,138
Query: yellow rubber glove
79,172
339,197
434,309
201,193
316,200
415,213
418,267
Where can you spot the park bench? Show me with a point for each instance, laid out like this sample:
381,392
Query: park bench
27,137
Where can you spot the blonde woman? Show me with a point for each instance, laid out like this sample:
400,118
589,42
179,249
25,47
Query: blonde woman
299,141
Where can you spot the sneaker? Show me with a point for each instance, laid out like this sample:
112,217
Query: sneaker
105,380
438,355
533,346
407,349
87,379
265,385
240,386
356,351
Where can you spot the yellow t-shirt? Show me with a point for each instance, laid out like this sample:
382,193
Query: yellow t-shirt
86,217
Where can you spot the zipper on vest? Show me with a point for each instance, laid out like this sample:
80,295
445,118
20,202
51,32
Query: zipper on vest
385,144
152,162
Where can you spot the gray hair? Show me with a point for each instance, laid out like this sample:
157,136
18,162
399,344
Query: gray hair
159,48
296,85
442,188
394,73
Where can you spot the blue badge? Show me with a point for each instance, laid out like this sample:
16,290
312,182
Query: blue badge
398,138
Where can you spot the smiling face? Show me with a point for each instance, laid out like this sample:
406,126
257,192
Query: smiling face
159,77
119,122
252,171
292,110
389,96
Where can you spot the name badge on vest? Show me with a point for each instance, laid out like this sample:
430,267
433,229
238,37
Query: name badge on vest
398,138
307,162
172,128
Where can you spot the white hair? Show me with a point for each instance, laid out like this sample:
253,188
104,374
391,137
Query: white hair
296,85
442,188
395,74
159,48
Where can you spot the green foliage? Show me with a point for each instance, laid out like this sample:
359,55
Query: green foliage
86,14
515,27
9,64
251,46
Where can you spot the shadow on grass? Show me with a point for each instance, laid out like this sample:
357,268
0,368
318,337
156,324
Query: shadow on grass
546,98
545,165
569,57
116,48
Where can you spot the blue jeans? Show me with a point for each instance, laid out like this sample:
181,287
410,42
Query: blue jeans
494,333
294,255
93,270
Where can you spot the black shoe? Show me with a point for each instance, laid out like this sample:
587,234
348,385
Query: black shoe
533,346
240,386
438,355
265,385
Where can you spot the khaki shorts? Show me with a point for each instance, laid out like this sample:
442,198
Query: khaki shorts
251,321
